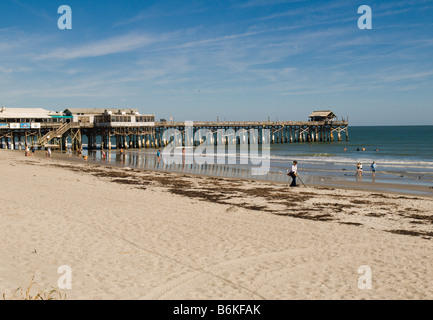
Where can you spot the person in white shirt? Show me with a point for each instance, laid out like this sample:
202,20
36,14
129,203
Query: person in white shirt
294,173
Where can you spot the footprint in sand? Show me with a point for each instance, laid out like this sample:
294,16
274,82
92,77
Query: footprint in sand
232,209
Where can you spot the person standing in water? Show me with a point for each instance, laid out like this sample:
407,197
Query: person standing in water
373,168
359,170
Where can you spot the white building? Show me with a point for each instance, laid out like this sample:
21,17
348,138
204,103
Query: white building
24,118
111,117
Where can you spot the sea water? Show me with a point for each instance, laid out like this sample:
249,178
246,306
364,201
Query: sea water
403,154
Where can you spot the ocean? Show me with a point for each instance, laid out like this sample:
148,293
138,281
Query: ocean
403,154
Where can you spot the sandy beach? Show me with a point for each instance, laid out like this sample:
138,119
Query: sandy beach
132,234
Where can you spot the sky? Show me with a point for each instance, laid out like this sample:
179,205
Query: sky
229,60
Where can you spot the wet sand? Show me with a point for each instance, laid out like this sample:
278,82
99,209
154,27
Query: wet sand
134,234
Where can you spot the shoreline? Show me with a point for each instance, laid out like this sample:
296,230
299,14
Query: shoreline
368,186
133,234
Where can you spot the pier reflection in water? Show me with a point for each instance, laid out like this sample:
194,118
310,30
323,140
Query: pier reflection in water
147,161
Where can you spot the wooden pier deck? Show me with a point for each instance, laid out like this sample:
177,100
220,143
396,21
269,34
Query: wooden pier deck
159,134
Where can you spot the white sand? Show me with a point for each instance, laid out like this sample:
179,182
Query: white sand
124,242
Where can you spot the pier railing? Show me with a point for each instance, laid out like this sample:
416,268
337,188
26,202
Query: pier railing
251,123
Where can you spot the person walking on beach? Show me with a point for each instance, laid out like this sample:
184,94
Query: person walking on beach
27,151
49,152
373,168
33,150
294,173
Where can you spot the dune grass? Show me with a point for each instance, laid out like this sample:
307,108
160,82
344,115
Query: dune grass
33,292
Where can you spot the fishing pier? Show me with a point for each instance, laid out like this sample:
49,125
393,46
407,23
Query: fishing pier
126,128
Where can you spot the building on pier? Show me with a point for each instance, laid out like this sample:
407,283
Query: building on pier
28,116
326,116
108,117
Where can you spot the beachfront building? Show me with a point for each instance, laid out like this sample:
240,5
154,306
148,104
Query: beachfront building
20,127
111,117
83,115
25,117
123,128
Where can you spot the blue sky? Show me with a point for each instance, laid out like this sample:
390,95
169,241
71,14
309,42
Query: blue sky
236,60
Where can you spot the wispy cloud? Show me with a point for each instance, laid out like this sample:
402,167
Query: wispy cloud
403,75
10,70
5,70
39,12
303,11
140,16
262,3
100,48
158,11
